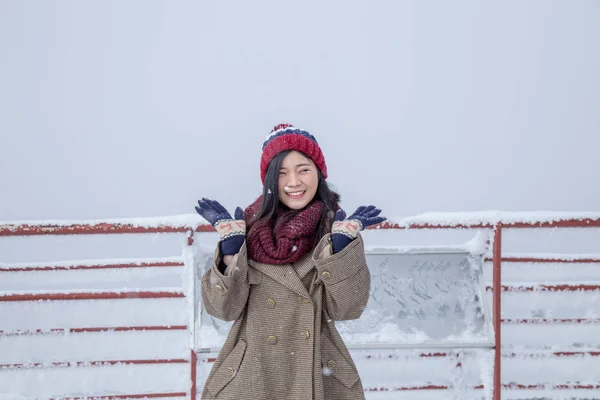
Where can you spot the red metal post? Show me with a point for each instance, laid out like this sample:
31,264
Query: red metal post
193,355
497,283
194,364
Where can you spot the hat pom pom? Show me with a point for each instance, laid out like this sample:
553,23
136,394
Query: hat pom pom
281,126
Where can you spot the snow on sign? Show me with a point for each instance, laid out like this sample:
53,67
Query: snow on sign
432,298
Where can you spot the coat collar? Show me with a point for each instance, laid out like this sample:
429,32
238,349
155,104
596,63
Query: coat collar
308,262
289,275
304,265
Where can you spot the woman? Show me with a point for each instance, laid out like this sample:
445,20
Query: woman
285,269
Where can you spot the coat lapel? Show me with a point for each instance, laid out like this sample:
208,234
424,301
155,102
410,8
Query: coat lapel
304,265
284,274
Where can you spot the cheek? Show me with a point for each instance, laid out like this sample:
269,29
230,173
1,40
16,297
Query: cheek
314,183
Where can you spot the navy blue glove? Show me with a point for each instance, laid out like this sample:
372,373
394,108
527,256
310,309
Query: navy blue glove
344,230
232,232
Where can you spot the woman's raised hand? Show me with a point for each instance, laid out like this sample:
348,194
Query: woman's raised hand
232,231
345,230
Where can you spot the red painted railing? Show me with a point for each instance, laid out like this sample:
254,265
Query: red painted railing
28,229
497,224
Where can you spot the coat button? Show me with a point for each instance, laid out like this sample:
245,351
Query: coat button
271,303
307,334
272,339
219,288
331,364
326,275
230,372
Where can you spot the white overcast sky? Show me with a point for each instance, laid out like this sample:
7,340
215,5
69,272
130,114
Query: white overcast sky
138,108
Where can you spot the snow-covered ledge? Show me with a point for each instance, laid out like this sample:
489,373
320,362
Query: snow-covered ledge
493,218
183,222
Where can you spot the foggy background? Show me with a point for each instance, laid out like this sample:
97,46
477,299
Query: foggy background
139,108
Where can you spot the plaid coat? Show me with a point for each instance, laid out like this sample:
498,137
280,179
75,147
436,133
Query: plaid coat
283,344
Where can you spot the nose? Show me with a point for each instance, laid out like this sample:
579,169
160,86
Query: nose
293,179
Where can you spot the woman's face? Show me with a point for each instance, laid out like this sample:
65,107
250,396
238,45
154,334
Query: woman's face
298,180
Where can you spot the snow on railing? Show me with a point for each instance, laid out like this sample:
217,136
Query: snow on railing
490,219
494,220
185,222
158,262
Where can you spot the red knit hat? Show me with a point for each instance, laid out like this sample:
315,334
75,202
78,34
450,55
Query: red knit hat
285,137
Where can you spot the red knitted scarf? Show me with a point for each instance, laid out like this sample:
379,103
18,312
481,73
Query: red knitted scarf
290,242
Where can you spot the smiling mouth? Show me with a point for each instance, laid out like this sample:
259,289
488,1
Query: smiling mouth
296,195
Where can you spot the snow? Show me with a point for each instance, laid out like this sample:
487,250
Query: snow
380,366
491,218
488,218
94,346
486,371
476,246
90,279
553,256
102,262
98,313
177,221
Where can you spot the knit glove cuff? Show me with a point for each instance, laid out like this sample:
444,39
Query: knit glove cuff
348,228
232,233
227,228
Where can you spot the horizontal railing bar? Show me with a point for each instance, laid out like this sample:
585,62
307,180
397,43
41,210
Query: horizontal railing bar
426,345
567,223
395,356
122,396
567,386
541,354
83,229
406,388
540,260
506,224
166,264
90,296
566,287
49,267
93,227
550,321
511,386
553,354
92,330
391,225
392,346
66,364
573,347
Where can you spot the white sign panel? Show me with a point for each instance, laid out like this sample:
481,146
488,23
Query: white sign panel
433,298
418,299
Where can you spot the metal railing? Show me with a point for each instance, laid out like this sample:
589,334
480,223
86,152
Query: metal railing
497,223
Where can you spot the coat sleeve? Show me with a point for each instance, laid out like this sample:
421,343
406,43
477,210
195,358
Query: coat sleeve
346,278
225,296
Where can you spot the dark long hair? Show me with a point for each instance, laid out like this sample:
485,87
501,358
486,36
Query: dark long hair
271,204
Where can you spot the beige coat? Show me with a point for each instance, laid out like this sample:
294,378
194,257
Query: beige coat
283,344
